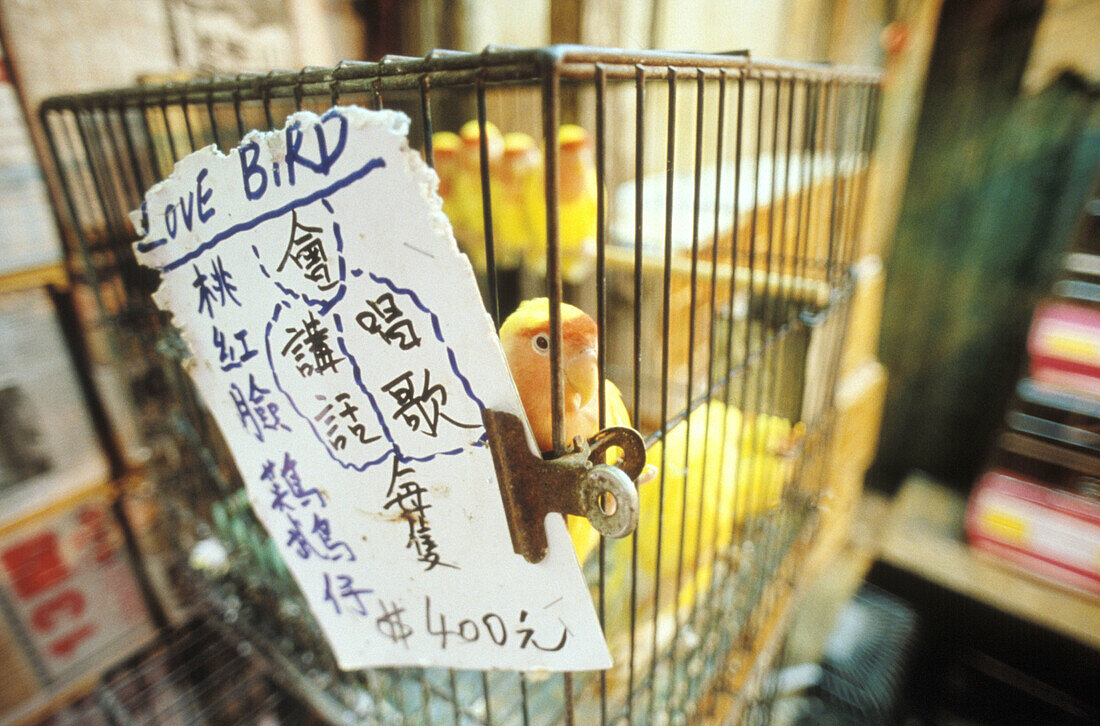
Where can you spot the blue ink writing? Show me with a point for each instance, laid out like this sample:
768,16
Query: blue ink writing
256,414
185,207
227,350
249,154
205,213
220,288
344,591
289,476
325,158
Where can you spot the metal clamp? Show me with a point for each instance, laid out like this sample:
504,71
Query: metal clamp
579,483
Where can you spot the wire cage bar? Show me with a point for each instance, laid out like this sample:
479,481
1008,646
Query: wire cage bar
194,674
723,202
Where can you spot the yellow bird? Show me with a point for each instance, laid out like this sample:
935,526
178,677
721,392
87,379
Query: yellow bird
576,207
735,469
445,148
729,469
525,338
468,192
519,213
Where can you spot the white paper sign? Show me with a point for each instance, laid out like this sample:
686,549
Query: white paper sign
340,342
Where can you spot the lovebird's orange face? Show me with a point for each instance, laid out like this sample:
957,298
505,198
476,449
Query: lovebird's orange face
525,337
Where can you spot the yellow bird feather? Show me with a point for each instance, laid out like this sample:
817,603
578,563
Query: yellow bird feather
468,191
577,204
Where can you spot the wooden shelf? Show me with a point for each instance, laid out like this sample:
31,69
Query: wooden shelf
923,535
49,701
63,693
42,497
32,277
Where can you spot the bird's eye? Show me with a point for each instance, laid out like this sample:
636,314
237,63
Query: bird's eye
541,342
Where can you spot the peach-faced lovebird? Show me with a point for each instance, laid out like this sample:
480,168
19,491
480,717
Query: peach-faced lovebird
525,338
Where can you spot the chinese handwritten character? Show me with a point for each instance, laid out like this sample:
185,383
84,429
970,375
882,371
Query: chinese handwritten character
299,541
333,551
311,338
331,416
528,636
323,530
384,319
256,414
347,591
219,289
289,476
409,498
307,252
279,502
423,408
227,351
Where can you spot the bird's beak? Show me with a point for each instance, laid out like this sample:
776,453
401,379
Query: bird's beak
583,375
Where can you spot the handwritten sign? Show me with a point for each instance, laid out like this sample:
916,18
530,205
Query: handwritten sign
339,340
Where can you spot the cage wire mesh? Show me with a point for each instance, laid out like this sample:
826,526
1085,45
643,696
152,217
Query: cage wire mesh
720,198
195,675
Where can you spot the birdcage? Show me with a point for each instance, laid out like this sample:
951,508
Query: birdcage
721,197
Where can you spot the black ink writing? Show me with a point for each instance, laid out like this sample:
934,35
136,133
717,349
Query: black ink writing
528,634
309,346
469,631
384,319
342,413
391,625
408,496
307,252
421,410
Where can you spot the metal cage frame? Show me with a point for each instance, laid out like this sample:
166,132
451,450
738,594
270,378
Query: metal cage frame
109,146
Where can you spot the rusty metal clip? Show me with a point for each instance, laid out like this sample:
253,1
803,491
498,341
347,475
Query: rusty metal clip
579,483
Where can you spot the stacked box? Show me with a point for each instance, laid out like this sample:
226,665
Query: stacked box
28,235
48,446
71,602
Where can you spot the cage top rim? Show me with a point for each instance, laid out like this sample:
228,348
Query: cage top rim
495,63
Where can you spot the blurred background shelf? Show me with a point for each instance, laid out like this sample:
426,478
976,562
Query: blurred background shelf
41,705
924,535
